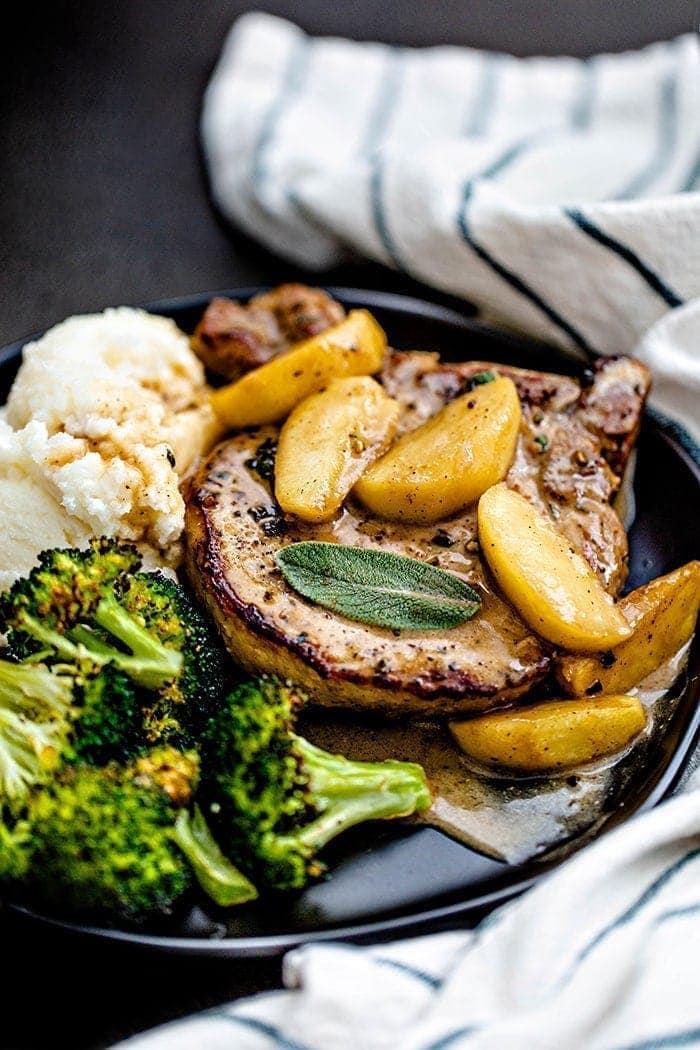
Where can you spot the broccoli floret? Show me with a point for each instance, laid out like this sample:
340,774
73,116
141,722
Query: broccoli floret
67,608
119,839
35,709
92,609
167,612
108,719
15,848
174,772
101,840
277,799
53,714
64,587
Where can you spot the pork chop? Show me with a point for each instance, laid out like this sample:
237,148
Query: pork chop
574,442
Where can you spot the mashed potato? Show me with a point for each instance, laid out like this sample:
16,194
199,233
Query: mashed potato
107,413
31,518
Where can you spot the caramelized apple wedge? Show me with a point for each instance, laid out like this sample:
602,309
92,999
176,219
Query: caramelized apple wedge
445,464
663,614
328,441
556,734
550,584
354,346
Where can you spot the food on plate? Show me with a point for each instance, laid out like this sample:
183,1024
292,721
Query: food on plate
377,531
663,615
378,588
95,609
555,734
327,442
107,412
31,517
355,346
279,799
105,632
549,582
231,338
444,465
234,530
114,692
111,839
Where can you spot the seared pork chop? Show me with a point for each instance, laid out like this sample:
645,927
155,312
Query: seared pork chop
574,442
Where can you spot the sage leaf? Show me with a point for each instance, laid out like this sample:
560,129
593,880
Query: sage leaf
378,588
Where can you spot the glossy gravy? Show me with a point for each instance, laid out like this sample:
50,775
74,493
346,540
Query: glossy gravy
510,818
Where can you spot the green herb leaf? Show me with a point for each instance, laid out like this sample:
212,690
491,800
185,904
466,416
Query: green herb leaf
375,587
543,441
480,378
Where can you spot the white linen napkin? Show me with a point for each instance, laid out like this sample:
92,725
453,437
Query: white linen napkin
561,196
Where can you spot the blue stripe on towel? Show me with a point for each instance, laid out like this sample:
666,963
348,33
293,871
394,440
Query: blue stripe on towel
376,193
484,98
451,1038
513,152
650,276
633,910
410,971
677,913
288,89
276,1037
691,1037
511,278
665,140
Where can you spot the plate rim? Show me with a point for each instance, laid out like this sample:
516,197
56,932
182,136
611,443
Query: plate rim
426,919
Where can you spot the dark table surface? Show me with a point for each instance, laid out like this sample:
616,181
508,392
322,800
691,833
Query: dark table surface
103,202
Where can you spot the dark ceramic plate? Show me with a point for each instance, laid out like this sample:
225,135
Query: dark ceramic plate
390,880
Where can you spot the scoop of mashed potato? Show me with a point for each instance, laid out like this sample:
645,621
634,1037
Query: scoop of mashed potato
107,413
31,518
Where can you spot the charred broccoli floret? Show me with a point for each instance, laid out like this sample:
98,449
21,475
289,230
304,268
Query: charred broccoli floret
165,610
115,838
93,610
108,719
68,608
277,800
102,840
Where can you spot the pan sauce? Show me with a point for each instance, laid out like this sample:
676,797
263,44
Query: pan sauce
511,819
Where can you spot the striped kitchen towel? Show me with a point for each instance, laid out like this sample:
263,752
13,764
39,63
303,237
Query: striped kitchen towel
600,955
560,196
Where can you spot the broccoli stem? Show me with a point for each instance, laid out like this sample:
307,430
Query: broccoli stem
149,664
347,793
217,876
158,664
85,636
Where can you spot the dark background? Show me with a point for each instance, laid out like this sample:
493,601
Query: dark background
103,198
103,201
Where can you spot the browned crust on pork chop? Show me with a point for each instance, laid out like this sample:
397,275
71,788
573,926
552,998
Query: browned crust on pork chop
234,528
